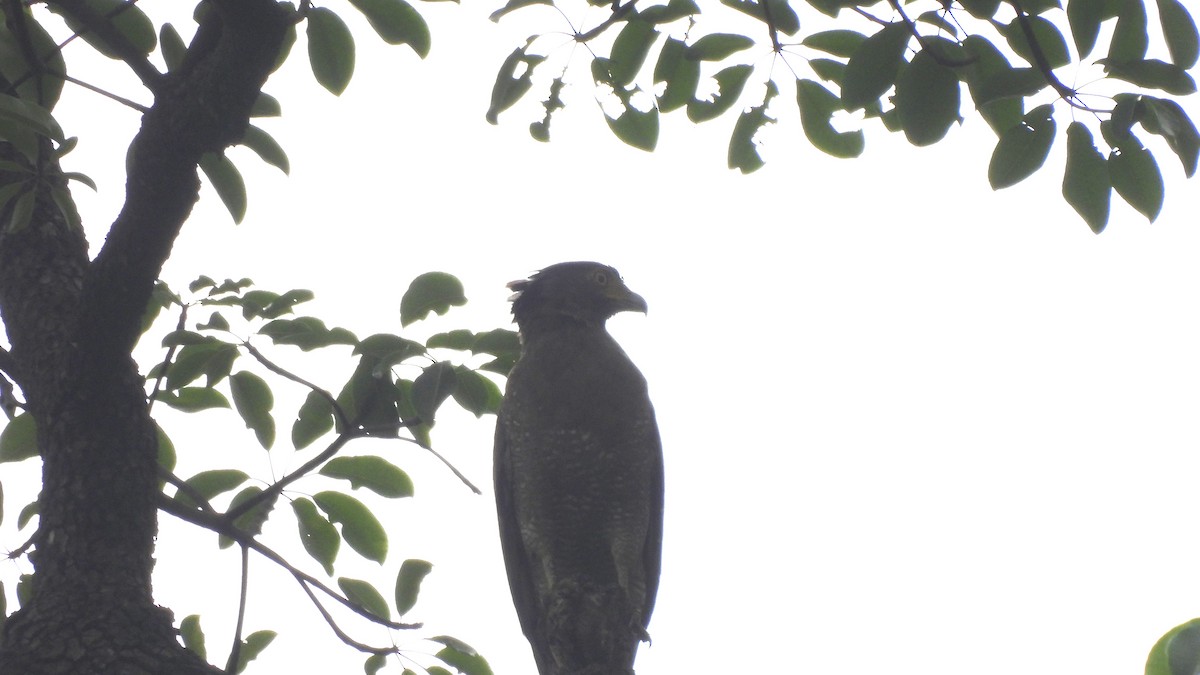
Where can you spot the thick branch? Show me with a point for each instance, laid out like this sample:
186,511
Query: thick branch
204,109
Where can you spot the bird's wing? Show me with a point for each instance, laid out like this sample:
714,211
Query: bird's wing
652,553
516,559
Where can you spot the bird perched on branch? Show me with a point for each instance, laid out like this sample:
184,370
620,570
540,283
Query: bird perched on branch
578,476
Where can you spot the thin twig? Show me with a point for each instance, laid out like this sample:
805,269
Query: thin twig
338,411
220,525
337,630
235,651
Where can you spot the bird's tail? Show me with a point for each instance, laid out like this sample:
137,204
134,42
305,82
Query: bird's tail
592,629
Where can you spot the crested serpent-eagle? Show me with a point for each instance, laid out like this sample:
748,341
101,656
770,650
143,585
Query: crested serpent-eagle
578,476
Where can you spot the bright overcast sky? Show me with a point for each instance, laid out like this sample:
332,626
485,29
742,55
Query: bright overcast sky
910,424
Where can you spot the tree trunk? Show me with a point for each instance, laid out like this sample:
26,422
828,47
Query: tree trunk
72,324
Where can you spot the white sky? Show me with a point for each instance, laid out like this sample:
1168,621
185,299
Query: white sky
911,425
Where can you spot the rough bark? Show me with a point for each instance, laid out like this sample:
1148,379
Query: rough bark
72,324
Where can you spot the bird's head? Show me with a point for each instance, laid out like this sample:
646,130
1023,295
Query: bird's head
583,292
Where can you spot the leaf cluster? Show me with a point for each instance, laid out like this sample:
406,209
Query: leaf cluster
396,389
911,66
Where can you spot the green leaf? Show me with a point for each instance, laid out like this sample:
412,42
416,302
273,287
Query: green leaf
172,46
462,656
22,211
253,400
817,105
872,68
36,84
307,333
31,116
629,51
1129,40
252,521
1022,149
313,420
681,74
376,663
510,87
1048,38
674,10
128,20
927,99
433,292
432,387
192,635
374,473
497,342
718,46
1177,652
743,152
209,484
838,42
18,439
389,349
514,5
991,78
1179,30
266,147
27,513
364,595
1084,18
460,339
408,583
1167,118
475,393
1153,74
1136,177
319,537
783,17
166,452
194,399
397,22
252,646
360,527
227,181
1086,185
981,9
330,49
730,83
636,128
213,358
266,105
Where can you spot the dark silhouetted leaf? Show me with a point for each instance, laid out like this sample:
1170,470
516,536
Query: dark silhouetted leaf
817,105
718,46
364,595
253,400
1167,119
209,484
629,51
397,23
360,527
18,439
227,181
433,386
743,152
1086,185
408,583
374,473
1048,37
1136,177
730,83
433,292
681,74
839,42
1153,74
1129,40
783,17
330,49
1022,149
927,99
1179,30
872,68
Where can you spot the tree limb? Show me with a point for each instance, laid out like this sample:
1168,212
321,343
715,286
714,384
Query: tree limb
219,524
